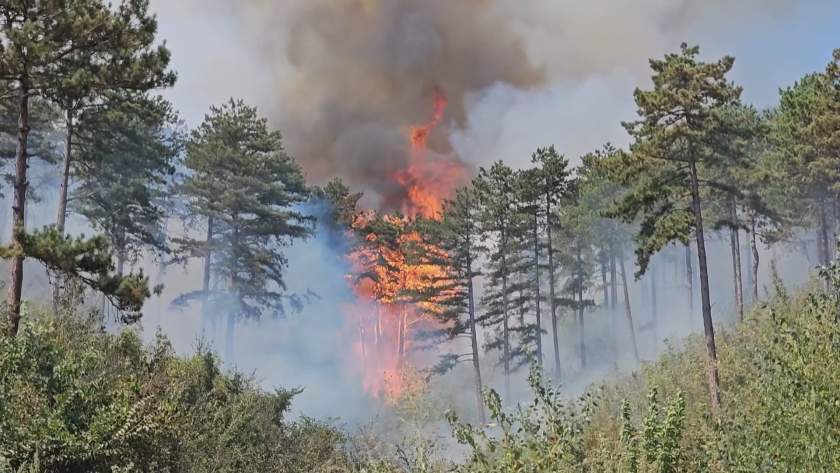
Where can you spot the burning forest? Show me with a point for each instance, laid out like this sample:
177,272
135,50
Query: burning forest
392,276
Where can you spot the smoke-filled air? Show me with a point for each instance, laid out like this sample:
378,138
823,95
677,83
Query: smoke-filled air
420,236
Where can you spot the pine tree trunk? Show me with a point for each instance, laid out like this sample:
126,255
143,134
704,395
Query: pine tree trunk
581,331
4,216
749,272
61,218
19,207
378,329
824,244
474,342
755,261
553,301
506,328
708,324
627,308
735,244
613,281
654,321
363,346
205,283
537,290
401,328
689,280
604,284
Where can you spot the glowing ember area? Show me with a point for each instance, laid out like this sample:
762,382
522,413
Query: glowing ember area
391,311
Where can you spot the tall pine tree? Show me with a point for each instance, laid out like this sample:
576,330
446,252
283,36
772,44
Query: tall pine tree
241,193
680,137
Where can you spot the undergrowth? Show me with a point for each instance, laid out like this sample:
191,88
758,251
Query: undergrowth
76,399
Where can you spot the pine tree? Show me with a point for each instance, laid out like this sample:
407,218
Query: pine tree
807,155
576,260
45,46
680,137
457,235
554,179
500,223
119,56
126,151
241,190
598,194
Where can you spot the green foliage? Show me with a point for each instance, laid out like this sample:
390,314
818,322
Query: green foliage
244,187
125,151
76,399
89,260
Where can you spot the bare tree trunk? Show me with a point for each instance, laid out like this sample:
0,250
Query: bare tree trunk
19,207
401,328
581,331
708,324
474,342
205,283
537,290
613,282
61,218
627,308
553,301
735,244
689,279
654,325
604,284
824,244
749,272
506,328
755,261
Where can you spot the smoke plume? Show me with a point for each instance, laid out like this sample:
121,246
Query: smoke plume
351,75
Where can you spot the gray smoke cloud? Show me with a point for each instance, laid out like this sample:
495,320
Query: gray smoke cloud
348,77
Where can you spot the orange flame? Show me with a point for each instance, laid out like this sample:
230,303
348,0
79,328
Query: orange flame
428,178
387,319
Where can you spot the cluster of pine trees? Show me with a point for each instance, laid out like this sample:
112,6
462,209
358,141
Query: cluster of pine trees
550,240
79,82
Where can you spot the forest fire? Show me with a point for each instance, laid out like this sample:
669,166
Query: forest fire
394,306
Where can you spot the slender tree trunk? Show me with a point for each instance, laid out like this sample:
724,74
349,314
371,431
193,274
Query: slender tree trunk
627,308
604,284
689,280
654,321
755,261
824,244
749,272
401,327
581,331
551,295
378,329
537,290
474,342
506,328
708,324
613,299
4,216
364,347
61,218
613,281
205,283
19,207
735,244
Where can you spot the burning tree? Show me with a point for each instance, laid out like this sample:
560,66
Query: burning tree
390,280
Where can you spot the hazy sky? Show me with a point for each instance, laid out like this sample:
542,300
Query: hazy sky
214,63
